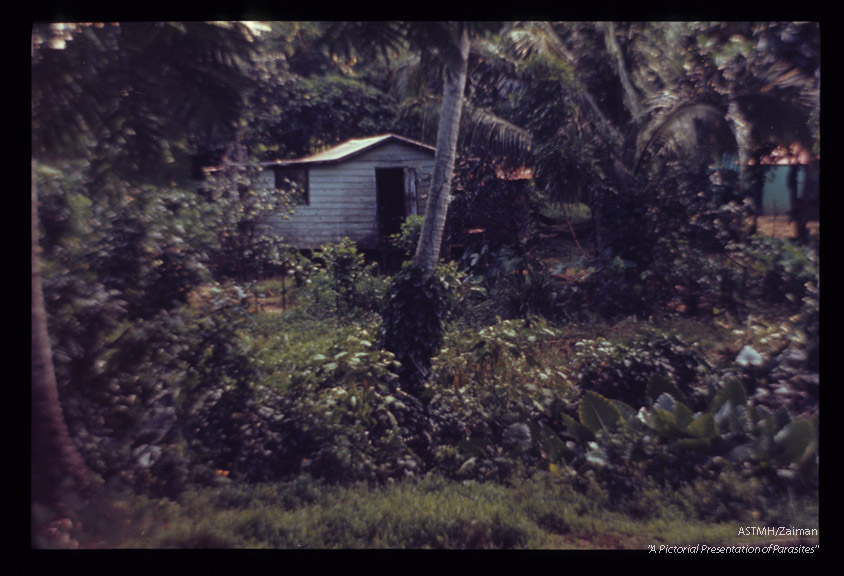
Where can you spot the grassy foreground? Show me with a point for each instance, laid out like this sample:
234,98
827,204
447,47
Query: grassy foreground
543,512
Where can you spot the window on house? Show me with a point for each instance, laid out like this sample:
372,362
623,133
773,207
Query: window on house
294,181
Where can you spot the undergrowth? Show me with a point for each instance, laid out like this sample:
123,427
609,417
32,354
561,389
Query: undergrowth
299,429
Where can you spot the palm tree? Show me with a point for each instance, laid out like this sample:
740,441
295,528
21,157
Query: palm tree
454,86
413,321
446,47
682,94
766,92
54,456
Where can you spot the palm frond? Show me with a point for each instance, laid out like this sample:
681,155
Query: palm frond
530,39
494,66
686,129
775,119
482,128
479,128
191,77
438,40
368,39
631,94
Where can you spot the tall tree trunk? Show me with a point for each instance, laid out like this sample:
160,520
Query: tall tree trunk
430,239
757,187
741,130
54,456
793,198
631,96
595,209
810,185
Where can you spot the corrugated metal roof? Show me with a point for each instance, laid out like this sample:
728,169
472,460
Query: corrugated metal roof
349,149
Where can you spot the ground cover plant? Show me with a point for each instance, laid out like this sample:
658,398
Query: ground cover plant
631,427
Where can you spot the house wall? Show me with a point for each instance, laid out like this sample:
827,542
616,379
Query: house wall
775,197
342,197
776,200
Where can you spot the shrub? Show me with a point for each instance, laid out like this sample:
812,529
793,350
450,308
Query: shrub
123,262
614,289
665,441
136,419
326,405
668,244
494,406
414,320
345,285
624,371
524,288
782,272
408,238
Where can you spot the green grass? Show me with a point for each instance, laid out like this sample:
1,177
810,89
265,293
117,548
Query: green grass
543,512
562,213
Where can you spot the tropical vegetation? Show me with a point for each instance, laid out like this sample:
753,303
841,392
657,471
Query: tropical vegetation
615,357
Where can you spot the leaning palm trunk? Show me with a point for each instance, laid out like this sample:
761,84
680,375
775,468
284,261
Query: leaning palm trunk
430,239
54,456
741,129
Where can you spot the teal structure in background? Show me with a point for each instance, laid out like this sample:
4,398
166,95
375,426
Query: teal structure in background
775,200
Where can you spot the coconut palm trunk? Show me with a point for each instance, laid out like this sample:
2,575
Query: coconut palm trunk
741,129
428,248
54,456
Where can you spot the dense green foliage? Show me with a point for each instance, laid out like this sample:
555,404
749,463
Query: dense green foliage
499,206
350,279
627,371
408,235
413,325
532,390
331,109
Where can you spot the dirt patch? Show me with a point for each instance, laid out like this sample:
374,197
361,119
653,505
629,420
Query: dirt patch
781,227
272,305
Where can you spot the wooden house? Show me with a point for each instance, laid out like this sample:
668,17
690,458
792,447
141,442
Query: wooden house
362,189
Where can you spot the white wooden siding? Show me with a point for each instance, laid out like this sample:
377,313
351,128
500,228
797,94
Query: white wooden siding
342,196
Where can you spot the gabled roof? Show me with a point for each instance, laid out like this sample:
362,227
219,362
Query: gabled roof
349,149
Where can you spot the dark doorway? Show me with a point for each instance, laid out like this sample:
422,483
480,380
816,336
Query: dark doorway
389,186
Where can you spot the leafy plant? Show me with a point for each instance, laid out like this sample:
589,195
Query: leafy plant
326,405
495,406
669,442
632,372
345,284
782,272
597,413
524,288
407,239
413,323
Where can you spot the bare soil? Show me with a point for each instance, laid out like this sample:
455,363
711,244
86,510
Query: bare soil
781,227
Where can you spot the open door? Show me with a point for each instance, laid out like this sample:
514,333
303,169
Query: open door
390,197
410,200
